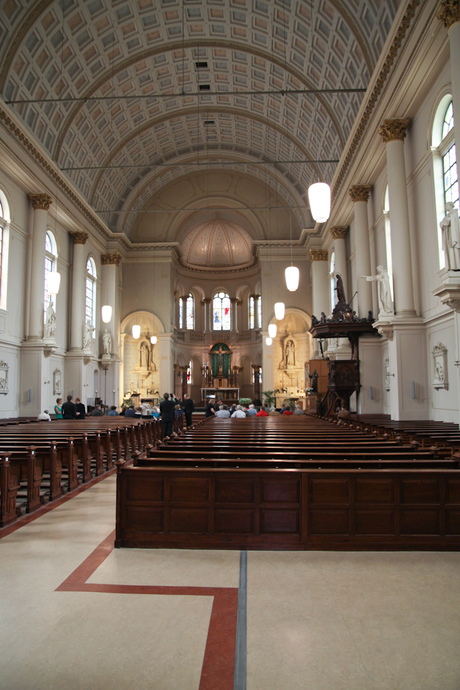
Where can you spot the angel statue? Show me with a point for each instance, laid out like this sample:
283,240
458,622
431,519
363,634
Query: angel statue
384,291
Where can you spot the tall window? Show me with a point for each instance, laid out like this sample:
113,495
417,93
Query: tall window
444,165
2,223
50,267
190,312
4,242
221,312
332,280
386,214
189,372
252,312
181,312
90,303
259,311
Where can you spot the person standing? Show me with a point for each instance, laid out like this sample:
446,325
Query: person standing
58,409
188,406
68,409
80,409
167,410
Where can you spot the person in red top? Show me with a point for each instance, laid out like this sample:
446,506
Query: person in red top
262,412
287,411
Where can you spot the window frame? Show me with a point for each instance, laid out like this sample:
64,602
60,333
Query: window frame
222,296
51,255
90,290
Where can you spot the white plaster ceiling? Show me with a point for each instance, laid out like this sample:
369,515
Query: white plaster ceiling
125,121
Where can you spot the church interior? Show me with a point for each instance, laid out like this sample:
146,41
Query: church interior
159,163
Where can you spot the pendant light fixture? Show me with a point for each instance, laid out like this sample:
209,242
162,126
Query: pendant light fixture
291,273
272,329
54,282
268,341
106,313
136,331
153,340
319,193
279,311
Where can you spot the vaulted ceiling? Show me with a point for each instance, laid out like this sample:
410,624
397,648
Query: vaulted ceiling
133,99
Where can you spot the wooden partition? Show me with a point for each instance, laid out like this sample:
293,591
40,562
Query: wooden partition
205,508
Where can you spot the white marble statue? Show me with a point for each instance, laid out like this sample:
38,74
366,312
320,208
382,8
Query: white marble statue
451,237
290,353
87,335
384,291
107,342
50,323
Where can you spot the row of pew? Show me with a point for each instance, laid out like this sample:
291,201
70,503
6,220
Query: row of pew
293,483
41,461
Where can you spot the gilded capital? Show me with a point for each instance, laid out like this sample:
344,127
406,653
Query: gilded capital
394,130
338,232
40,202
360,192
110,259
318,254
78,236
449,14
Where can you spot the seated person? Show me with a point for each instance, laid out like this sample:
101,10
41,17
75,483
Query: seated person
130,412
273,412
298,410
156,413
97,412
287,411
223,413
44,417
239,413
112,412
262,412
251,411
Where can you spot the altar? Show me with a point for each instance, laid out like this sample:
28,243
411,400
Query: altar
227,394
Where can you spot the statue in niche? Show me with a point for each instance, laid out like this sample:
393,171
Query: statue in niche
290,353
50,323
384,290
144,355
451,237
87,335
107,342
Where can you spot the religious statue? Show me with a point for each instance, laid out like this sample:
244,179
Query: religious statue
144,355
314,380
340,289
87,335
290,353
50,323
107,342
384,290
451,237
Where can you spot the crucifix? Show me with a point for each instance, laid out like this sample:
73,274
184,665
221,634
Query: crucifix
220,360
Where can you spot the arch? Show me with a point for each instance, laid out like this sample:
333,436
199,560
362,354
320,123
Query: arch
147,320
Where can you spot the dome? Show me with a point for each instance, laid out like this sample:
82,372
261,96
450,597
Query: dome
217,244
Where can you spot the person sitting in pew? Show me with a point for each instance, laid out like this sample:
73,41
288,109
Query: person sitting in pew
298,410
262,412
80,409
44,417
97,412
239,413
223,412
273,412
130,412
112,412
287,411
251,411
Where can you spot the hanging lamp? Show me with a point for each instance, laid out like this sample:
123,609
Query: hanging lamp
136,331
106,313
268,341
153,340
279,311
272,329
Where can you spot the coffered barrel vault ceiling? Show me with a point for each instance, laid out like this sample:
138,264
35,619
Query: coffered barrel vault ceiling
137,100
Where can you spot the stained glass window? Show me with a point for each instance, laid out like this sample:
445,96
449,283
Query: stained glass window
259,311
190,313
189,372
221,312
251,312
90,303
181,313
50,266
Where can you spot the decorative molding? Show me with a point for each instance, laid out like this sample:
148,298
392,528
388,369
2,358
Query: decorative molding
111,259
440,366
376,91
384,328
57,382
449,14
318,254
78,236
339,232
4,369
449,292
360,192
40,202
394,130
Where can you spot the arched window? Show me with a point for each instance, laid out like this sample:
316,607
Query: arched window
90,303
50,267
190,312
2,223
221,312
259,311
386,215
444,165
181,313
332,280
252,313
4,241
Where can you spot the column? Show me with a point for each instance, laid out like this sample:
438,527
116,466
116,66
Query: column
78,290
234,302
109,263
320,289
339,232
393,133
206,302
449,14
360,195
40,204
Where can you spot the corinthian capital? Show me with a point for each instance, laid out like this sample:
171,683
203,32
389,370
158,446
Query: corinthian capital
338,232
110,259
360,192
78,236
40,202
318,254
394,130
449,14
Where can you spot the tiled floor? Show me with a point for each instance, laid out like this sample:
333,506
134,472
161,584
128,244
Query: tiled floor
77,614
